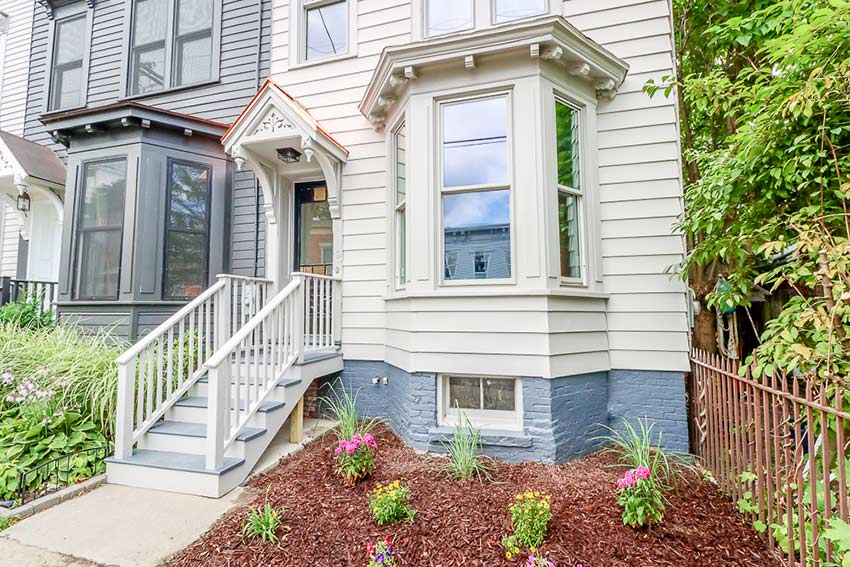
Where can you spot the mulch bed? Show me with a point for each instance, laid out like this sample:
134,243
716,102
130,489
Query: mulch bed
328,525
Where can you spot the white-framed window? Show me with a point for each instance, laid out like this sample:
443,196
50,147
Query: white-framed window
173,43
507,10
399,146
490,402
447,16
326,27
570,194
67,77
475,189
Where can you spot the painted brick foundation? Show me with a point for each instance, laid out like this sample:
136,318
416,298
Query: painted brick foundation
564,418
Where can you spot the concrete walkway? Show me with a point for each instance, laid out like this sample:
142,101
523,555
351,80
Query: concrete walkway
127,527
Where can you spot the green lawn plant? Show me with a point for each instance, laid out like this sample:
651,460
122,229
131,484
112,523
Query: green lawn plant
463,449
26,314
355,449
641,499
262,523
388,503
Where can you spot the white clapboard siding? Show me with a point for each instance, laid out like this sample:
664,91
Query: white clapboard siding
8,241
640,192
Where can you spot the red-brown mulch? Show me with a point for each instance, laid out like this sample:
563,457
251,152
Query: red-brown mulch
461,523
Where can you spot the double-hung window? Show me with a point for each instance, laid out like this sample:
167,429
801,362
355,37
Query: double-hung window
507,10
171,44
567,126
99,229
326,28
400,149
476,189
187,230
446,16
69,41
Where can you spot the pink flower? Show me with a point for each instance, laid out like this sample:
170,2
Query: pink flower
370,441
350,448
338,451
642,472
356,439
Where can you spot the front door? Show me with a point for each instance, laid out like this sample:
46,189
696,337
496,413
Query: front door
313,229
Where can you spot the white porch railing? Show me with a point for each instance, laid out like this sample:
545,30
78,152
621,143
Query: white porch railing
246,369
159,369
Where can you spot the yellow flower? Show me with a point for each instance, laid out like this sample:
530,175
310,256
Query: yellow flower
508,555
533,550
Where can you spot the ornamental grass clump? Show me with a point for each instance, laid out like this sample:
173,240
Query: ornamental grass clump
530,515
464,461
388,504
381,554
641,500
262,523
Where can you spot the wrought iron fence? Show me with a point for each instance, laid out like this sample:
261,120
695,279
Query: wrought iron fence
40,292
57,473
779,446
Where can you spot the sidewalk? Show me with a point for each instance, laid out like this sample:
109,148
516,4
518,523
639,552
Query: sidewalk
125,526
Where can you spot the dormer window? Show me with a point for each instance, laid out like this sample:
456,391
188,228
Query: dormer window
507,10
173,44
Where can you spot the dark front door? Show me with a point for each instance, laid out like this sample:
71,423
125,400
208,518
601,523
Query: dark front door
313,229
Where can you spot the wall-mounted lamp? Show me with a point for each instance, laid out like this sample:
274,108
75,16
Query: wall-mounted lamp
288,155
24,201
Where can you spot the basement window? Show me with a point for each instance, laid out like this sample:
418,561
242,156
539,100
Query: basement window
489,402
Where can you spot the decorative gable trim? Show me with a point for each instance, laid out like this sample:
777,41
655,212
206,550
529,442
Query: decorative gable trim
550,38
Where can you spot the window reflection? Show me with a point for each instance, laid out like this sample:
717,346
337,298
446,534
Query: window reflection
507,10
327,31
445,16
477,235
186,238
475,143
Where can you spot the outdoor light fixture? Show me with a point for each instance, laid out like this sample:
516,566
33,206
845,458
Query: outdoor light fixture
24,202
288,155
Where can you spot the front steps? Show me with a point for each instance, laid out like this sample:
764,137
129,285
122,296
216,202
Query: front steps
171,454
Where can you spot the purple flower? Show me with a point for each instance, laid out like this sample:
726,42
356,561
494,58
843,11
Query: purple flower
379,559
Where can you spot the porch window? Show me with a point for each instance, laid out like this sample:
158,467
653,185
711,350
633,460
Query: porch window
172,44
488,401
476,189
400,146
99,229
507,10
569,190
187,230
326,23
68,53
446,16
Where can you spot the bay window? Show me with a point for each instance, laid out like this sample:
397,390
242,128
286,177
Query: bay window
187,230
400,167
67,77
99,229
172,44
476,189
326,28
569,190
446,16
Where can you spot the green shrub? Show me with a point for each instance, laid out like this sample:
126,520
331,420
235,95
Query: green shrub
26,315
389,504
262,523
343,409
641,498
463,448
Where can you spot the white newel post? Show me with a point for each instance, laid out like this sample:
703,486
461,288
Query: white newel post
124,425
298,316
218,403
223,313
336,314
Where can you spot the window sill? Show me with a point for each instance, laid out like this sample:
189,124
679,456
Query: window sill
114,302
456,292
170,90
489,437
335,58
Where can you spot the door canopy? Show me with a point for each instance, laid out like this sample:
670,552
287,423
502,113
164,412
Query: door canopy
274,121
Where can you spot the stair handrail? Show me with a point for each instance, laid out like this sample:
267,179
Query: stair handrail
147,360
283,337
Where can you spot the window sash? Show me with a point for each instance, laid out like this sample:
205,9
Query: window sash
430,32
58,69
577,242
308,6
493,418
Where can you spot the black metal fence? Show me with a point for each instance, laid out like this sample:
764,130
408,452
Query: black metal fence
42,293
56,474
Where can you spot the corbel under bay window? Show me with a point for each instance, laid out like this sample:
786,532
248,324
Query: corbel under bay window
476,189
570,193
400,179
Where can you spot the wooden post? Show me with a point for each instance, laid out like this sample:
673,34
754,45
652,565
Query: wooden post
296,423
124,414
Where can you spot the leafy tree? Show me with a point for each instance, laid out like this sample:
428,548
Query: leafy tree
764,92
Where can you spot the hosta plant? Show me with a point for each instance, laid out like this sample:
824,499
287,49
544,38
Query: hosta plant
388,504
355,459
381,554
641,499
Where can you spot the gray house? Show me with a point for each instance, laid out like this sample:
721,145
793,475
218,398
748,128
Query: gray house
134,95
